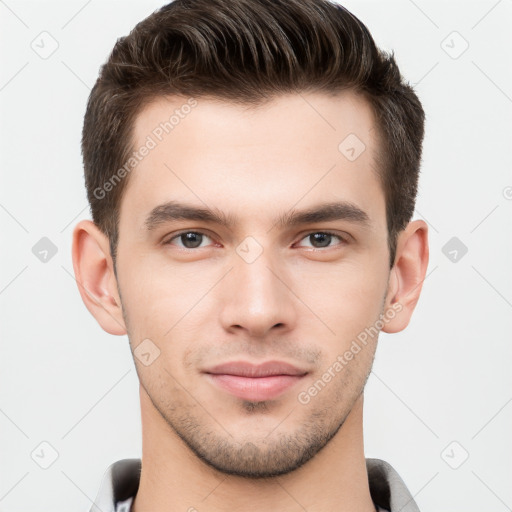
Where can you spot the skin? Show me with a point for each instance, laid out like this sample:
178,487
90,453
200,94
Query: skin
299,301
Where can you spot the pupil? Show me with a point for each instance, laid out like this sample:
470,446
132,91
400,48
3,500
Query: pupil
191,240
323,238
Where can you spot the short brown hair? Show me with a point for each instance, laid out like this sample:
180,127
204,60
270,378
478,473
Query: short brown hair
247,51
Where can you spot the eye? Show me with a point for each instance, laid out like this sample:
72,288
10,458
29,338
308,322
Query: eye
188,239
194,239
322,239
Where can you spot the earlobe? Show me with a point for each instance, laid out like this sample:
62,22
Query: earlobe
95,277
407,275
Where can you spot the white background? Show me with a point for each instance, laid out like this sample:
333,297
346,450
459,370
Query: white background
445,378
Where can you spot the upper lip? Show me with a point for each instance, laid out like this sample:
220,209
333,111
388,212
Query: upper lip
246,369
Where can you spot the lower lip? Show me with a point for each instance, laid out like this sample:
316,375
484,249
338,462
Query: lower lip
256,389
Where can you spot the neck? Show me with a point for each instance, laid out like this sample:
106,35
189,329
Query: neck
174,479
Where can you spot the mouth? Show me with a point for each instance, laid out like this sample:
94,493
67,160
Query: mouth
257,383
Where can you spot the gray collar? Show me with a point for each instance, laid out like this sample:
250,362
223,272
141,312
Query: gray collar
121,482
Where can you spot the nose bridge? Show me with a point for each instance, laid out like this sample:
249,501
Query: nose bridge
257,297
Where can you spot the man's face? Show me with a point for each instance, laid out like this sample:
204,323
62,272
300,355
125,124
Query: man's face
257,290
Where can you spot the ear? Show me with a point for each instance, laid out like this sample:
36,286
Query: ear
407,275
94,274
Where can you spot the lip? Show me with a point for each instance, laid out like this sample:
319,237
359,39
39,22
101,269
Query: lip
259,382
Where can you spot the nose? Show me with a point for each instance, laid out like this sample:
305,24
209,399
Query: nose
258,298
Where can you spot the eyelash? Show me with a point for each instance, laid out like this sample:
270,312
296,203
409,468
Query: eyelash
324,232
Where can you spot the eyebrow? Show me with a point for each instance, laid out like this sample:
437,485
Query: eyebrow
175,210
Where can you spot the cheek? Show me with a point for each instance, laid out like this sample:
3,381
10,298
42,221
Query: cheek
345,296
158,296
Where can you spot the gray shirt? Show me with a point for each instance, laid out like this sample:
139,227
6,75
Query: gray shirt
121,482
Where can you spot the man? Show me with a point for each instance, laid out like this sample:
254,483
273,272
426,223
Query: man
252,168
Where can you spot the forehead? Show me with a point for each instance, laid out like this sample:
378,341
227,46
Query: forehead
297,149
